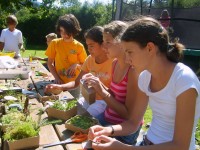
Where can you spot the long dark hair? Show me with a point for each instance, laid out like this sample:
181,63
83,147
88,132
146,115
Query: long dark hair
147,29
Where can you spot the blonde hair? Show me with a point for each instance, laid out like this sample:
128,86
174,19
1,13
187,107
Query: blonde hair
51,36
12,19
116,29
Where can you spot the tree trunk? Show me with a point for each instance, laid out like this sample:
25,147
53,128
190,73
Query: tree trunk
118,9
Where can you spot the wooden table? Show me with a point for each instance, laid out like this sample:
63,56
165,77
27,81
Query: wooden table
48,133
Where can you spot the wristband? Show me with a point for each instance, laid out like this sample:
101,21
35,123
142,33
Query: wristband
113,131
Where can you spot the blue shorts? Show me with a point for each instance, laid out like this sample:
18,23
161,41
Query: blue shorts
129,139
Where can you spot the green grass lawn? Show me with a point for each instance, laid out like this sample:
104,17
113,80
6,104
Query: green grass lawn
147,118
148,115
34,51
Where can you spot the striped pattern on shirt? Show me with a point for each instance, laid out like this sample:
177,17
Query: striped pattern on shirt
119,91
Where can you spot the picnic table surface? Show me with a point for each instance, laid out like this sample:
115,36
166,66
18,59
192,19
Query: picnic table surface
49,133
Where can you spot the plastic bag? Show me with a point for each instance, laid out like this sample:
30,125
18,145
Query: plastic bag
7,62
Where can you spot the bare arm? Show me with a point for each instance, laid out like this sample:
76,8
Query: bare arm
52,69
73,84
124,110
139,106
1,46
58,88
20,45
182,133
185,111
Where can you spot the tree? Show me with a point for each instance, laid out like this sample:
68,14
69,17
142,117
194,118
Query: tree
185,3
40,21
13,5
118,9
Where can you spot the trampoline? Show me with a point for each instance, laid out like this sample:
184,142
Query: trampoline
184,22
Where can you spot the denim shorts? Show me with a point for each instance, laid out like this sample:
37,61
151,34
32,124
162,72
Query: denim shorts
129,139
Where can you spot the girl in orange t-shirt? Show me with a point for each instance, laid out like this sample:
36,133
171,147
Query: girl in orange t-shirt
96,63
65,54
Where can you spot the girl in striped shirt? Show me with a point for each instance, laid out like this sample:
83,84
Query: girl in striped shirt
120,96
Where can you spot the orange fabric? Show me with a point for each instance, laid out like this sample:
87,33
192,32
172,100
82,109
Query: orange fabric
66,54
103,71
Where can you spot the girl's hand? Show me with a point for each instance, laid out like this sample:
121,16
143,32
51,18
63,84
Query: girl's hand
106,143
95,83
71,71
53,88
58,81
88,75
98,130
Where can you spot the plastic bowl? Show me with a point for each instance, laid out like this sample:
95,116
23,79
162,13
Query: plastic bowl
11,54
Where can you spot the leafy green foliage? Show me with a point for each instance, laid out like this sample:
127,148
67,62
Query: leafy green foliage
48,121
58,105
36,22
185,3
39,22
64,106
21,130
197,134
82,122
71,104
18,126
12,117
147,117
11,93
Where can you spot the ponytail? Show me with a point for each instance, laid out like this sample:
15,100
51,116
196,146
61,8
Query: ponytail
175,52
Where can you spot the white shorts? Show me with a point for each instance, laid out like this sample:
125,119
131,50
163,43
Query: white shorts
94,109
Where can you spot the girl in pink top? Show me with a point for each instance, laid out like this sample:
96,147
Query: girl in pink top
119,98
165,15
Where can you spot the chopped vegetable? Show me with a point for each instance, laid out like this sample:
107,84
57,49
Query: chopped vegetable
82,122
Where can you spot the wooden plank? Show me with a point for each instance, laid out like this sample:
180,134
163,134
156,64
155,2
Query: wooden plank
47,133
63,134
